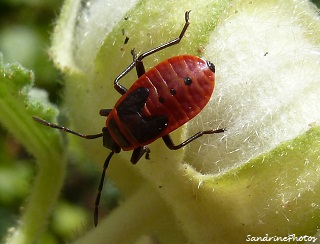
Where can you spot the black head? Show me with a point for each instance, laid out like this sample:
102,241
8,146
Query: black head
108,142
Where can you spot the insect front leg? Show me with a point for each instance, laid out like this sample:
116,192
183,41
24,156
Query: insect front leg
105,112
170,144
138,153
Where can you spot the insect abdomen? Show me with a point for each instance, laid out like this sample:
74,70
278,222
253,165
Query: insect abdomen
161,100
179,88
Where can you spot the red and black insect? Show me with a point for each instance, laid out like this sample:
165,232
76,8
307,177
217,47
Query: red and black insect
160,101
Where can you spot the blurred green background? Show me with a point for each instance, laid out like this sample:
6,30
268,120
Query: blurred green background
25,30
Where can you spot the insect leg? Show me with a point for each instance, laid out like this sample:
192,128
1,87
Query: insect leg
96,208
120,88
170,144
138,153
167,44
139,65
105,112
137,61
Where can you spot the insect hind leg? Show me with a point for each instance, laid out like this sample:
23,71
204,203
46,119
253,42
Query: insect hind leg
169,43
137,61
170,144
139,64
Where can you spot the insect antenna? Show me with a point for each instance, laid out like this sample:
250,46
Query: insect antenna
46,123
105,165
96,209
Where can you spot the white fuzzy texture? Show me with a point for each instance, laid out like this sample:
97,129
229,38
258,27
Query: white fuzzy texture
95,21
267,87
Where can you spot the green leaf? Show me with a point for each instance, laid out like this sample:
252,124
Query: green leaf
267,195
18,103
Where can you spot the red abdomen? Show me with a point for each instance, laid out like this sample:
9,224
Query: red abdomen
178,89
